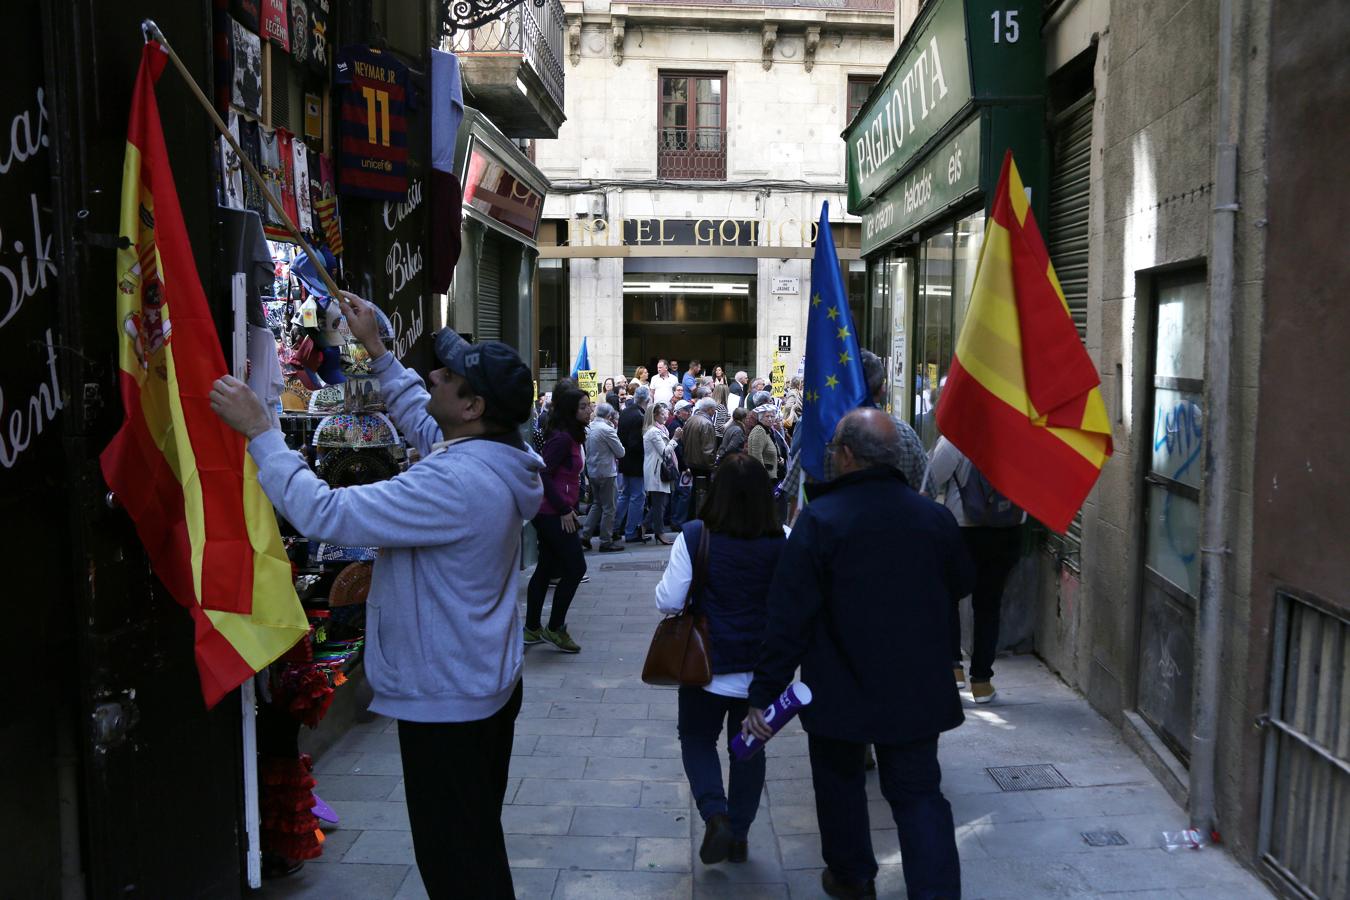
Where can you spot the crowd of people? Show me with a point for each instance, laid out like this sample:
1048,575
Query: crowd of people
710,458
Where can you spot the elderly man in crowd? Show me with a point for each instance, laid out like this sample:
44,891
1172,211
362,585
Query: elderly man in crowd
699,443
603,451
876,658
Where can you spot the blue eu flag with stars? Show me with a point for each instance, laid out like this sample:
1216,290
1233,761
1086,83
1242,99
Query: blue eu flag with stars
833,382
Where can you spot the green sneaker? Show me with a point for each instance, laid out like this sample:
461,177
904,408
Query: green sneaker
533,635
560,639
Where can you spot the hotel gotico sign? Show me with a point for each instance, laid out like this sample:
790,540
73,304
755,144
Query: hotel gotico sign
960,57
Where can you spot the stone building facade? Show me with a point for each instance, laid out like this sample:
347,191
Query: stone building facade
701,140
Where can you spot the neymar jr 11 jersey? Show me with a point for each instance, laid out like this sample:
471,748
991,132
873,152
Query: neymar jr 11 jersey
373,146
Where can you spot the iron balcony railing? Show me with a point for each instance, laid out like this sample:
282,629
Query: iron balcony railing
535,32
697,155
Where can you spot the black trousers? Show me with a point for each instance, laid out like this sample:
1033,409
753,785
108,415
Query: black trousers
911,782
455,777
560,556
995,552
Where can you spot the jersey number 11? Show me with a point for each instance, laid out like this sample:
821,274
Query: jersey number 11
376,99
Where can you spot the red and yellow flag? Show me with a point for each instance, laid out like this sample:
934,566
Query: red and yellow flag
180,472
1022,400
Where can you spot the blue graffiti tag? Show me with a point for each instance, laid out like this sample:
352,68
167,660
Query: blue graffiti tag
1180,432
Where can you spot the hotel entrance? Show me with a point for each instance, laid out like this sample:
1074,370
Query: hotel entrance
687,315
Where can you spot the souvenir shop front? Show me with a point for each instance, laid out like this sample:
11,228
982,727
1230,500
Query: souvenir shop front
124,779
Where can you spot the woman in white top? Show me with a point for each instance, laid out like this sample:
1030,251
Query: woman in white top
657,446
744,539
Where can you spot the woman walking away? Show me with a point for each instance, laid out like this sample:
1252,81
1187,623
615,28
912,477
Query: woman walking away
657,447
556,524
742,525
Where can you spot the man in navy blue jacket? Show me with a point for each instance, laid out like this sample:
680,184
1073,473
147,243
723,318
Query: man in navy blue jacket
860,600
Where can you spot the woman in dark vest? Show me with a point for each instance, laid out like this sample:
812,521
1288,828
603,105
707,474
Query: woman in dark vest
745,538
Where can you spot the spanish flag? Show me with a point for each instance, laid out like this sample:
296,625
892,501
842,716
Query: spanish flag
180,472
1022,400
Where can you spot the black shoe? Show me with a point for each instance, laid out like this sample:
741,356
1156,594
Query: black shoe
836,887
640,539
738,852
717,840
611,547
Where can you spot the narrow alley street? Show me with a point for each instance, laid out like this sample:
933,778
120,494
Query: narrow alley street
599,806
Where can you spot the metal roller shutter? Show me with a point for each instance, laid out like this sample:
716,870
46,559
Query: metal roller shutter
1067,235
488,324
1068,220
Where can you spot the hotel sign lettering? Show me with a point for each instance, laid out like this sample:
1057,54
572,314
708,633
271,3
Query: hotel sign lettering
788,232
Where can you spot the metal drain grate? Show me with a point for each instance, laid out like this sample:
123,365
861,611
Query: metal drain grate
1028,778
657,565
1104,839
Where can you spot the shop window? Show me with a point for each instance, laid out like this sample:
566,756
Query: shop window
859,86
693,126
553,321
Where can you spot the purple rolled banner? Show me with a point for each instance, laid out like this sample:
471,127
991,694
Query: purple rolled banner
788,704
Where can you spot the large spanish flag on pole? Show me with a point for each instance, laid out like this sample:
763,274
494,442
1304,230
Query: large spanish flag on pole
180,472
1022,400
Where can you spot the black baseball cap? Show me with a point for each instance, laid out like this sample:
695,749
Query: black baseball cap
493,369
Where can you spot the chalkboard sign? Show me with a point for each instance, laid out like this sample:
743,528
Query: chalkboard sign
30,390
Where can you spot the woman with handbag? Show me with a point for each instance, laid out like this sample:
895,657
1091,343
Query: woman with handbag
731,598
557,524
659,471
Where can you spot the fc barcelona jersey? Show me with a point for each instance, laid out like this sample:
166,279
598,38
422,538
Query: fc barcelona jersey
373,145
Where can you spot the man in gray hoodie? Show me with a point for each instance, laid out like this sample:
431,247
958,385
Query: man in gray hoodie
443,651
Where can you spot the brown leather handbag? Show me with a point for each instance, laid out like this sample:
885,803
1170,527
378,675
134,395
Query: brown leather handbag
679,651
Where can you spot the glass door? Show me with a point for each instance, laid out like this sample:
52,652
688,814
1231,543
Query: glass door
900,281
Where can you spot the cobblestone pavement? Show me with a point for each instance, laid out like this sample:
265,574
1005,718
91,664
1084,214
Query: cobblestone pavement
598,805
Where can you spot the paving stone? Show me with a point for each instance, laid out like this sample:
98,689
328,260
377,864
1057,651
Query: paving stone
371,815
564,695
666,794
523,744
336,842
388,847
637,769
335,762
597,710
367,742
341,882
628,885
536,851
663,854
356,787
634,728
790,791
577,792
639,694
662,748
646,821
536,819
581,727
548,766
378,764
716,890
1000,878
559,745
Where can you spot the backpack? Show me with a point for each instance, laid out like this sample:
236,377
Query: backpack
983,505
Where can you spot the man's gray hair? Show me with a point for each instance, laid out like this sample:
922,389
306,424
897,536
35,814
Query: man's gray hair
642,395
760,398
739,375
702,391
706,404
872,445
874,372
739,413
604,411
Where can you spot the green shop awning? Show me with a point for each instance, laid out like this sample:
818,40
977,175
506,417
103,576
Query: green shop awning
966,84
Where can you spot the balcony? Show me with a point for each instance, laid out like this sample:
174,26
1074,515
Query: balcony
513,69
697,155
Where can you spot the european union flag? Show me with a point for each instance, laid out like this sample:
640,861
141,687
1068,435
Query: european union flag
834,382
583,363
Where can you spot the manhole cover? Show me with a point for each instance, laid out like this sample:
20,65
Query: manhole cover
1027,778
656,565
1104,839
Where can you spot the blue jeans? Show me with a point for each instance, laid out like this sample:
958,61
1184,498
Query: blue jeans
911,782
631,504
700,724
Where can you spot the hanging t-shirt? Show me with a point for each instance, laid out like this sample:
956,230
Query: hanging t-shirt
276,26
286,146
373,145
275,176
248,140
318,36
300,166
231,172
246,11
299,31
315,189
246,51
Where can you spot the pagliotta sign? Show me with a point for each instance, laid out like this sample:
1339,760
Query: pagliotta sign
966,84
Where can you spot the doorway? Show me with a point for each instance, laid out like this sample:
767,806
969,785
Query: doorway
685,316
